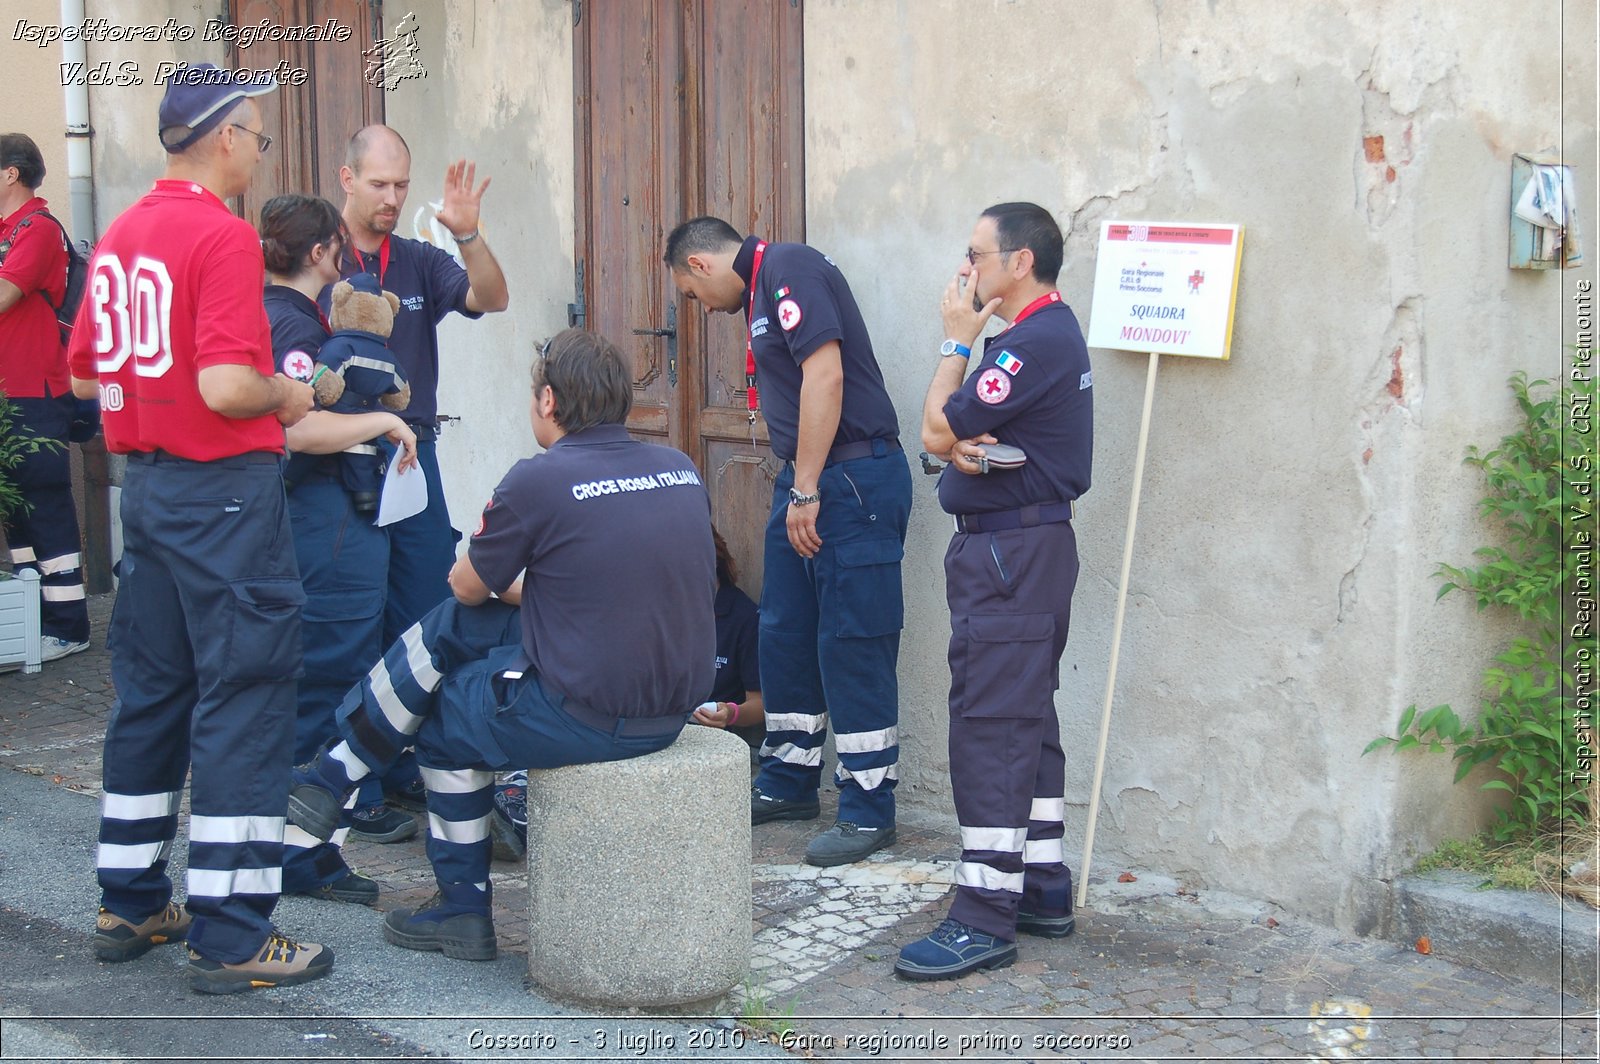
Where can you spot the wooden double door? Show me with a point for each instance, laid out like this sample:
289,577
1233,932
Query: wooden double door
311,122
684,108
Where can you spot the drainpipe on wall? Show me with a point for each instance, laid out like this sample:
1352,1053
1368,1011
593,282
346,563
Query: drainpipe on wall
80,189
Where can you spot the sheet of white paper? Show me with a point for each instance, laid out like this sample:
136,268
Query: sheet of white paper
404,494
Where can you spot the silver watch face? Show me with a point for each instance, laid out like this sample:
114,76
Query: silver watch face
948,347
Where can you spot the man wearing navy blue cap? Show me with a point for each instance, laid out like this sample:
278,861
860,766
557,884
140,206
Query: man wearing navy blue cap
1009,575
205,637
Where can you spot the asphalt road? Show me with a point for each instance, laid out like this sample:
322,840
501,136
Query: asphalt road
57,1002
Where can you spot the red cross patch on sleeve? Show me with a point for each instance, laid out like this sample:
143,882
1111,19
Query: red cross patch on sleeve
993,386
297,364
788,314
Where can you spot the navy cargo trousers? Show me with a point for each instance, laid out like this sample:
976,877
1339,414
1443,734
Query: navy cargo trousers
205,649
453,685
830,638
1010,596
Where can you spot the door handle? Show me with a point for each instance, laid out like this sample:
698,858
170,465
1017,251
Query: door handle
670,332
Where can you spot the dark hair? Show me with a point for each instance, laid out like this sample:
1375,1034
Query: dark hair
19,150
590,379
291,226
696,235
362,141
727,571
1028,225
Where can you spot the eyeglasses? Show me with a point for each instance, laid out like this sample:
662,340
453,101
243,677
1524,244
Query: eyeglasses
263,141
972,256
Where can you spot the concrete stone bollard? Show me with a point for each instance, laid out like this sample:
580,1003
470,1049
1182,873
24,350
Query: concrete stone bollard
639,874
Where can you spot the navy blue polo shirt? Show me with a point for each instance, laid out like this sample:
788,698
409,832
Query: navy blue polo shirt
613,537
802,301
738,635
296,325
1032,389
430,285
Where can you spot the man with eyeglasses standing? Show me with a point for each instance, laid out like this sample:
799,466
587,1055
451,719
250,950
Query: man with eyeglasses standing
205,636
1010,570
831,607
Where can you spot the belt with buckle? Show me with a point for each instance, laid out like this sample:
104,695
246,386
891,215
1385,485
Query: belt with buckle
846,452
1049,513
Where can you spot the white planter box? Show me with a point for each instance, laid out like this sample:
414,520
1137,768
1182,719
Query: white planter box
19,620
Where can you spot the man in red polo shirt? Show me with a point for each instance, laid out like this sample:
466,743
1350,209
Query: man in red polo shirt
33,374
205,637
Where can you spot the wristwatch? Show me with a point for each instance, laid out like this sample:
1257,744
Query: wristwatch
950,347
797,499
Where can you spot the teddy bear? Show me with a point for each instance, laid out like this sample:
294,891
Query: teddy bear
356,373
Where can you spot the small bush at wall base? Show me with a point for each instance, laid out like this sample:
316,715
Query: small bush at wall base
16,443
1528,727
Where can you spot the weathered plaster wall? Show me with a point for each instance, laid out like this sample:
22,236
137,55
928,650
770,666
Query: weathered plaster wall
1295,500
40,114
499,92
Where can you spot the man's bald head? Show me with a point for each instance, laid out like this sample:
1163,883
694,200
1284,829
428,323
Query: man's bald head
378,141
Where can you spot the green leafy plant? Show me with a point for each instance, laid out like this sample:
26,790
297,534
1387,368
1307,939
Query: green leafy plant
16,443
1525,728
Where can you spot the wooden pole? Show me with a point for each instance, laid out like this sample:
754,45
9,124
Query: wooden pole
1116,628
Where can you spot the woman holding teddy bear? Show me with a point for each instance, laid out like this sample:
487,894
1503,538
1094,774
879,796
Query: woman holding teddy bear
343,556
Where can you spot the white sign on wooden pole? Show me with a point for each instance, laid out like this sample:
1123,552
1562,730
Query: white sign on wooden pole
1164,288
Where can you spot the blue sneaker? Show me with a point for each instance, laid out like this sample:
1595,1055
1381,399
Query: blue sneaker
953,950
509,820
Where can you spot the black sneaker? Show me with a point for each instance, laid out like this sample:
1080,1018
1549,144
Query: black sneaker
466,936
764,807
845,843
953,950
1046,926
280,962
382,824
313,808
351,887
116,939
413,797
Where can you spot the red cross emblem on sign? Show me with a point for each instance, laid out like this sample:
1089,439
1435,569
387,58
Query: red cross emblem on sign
1195,279
788,314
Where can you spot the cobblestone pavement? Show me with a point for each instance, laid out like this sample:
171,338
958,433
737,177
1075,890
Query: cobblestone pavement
1151,973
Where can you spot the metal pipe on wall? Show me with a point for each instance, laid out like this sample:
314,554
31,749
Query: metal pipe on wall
80,190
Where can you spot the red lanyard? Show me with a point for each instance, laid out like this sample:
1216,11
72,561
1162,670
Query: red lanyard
752,397
1043,301
383,258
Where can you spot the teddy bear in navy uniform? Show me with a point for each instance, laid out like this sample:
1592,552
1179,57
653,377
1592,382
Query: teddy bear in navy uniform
356,373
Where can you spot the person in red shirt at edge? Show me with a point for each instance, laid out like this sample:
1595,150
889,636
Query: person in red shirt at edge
205,635
33,375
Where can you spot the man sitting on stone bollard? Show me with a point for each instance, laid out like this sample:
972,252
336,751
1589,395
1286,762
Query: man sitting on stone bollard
611,648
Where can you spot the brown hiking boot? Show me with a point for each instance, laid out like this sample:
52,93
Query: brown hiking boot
280,962
116,939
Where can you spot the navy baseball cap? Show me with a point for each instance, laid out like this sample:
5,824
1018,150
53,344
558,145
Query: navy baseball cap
364,282
199,97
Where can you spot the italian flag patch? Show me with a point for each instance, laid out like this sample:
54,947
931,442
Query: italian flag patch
780,293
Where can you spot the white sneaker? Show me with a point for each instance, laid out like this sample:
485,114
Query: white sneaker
51,648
